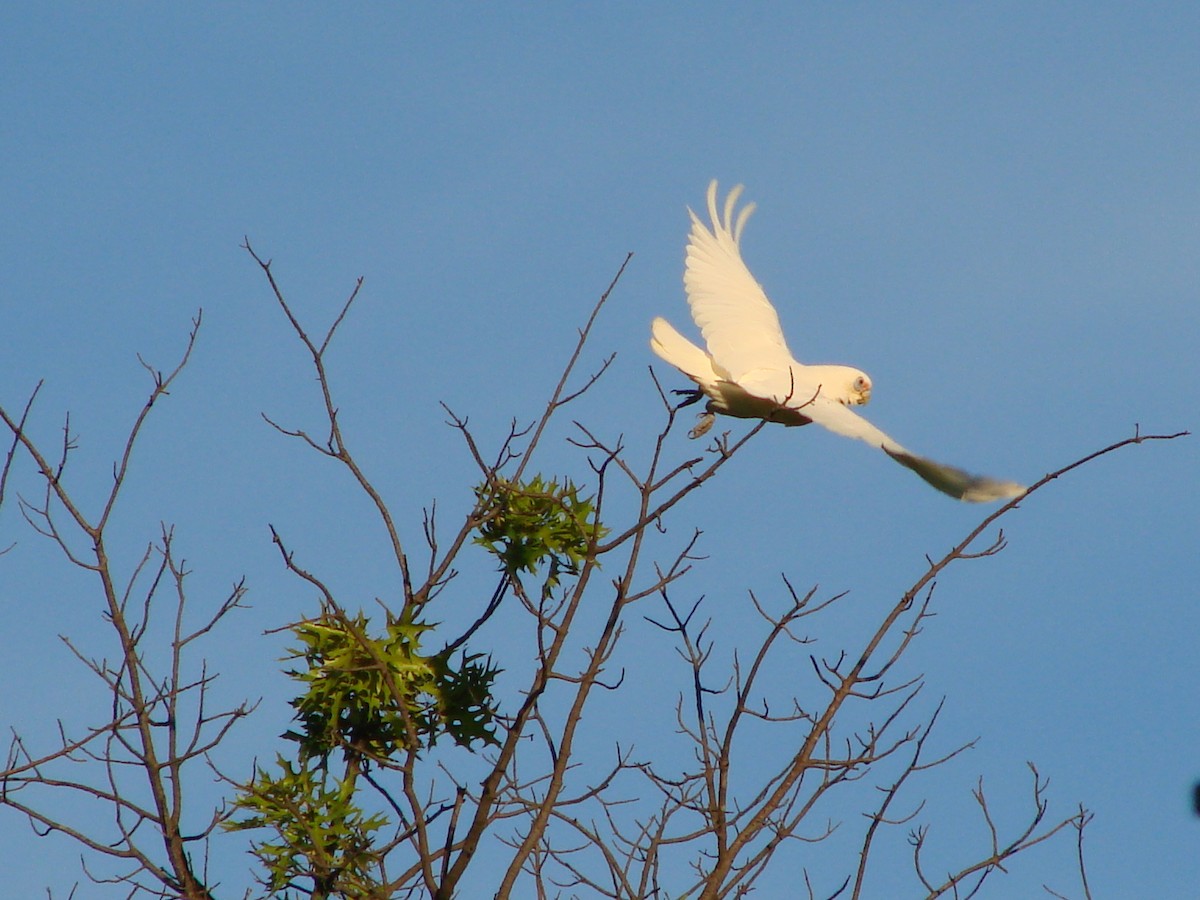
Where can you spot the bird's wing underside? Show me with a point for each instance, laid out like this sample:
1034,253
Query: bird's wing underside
739,324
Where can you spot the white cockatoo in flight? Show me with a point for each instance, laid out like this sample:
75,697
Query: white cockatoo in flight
748,370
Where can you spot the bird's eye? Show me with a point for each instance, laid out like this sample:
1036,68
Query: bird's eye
861,384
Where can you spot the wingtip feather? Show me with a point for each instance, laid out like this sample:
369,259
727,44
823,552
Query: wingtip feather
956,483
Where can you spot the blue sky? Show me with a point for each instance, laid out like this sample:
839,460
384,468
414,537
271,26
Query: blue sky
994,210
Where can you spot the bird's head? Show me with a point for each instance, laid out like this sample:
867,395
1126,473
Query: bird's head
854,387
860,390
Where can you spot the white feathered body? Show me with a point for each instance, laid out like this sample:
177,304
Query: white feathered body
748,371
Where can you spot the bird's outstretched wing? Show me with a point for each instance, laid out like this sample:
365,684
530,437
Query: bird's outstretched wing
739,324
948,479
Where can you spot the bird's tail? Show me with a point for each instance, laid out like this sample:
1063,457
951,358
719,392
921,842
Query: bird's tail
674,348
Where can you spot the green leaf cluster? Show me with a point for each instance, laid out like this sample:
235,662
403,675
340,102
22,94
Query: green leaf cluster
527,524
381,700
372,696
322,834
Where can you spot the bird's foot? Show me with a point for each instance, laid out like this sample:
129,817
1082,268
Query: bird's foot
703,425
693,396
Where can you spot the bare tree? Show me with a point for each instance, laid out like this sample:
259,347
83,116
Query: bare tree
159,725
414,770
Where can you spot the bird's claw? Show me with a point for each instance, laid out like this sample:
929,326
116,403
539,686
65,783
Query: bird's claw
703,425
